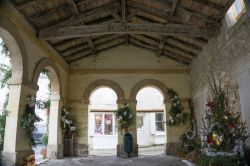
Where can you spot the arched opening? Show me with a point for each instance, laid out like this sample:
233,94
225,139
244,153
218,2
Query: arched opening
42,110
46,76
16,71
5,75
103,136
150,110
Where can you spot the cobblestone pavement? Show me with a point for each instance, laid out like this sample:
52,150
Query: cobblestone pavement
157,160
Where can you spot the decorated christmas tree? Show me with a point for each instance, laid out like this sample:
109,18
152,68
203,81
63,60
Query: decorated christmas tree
223,131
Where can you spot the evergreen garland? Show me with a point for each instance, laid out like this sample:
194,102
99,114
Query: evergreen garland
125,117
30,118
176,111
66,121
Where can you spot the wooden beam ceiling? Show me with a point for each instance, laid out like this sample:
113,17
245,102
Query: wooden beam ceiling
170,28
125,28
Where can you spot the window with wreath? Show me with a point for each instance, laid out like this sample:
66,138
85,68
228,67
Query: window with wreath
159,123
234,13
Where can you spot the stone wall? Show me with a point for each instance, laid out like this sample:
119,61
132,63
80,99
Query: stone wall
130,61
230,53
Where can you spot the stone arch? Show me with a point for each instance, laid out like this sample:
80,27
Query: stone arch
18,55
53,74
149,82
101,83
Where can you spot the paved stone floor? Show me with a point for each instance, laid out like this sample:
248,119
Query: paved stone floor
157,160
147,150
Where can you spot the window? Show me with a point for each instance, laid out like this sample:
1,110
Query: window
108,127
104,124
235,12
159,124
98,123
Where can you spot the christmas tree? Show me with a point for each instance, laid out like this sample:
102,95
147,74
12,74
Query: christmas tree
223,132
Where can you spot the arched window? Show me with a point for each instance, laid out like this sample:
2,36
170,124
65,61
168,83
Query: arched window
103,98
149,98
150,119
102,126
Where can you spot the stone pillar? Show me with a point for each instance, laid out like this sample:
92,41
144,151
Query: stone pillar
55,146
16,146
80,114
133,131
172,135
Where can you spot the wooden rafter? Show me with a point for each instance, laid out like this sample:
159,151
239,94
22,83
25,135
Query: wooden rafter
161,45
26,4
100,47
209,4
76,12
73,7
165,53
174,6
74,20
80,28
128,28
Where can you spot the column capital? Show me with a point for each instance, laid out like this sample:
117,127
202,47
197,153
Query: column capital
131,101
24,82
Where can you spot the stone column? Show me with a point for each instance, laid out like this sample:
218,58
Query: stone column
80,116
172,135
16,146
55,146
133,131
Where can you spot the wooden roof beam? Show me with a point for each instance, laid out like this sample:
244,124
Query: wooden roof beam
128,28
209,4
74,20
101,47
174,6
165,53
165,15
123,10
73,7
26,4
189,12
161,46
76,12
172,49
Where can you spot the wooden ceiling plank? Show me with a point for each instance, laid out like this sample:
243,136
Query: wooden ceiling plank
27,4
101,47
167,54
156,12
128,28
80,18
155,44
209,4
187,46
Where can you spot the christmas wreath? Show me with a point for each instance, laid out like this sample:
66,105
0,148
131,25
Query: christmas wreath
29,119
125,117
176,111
